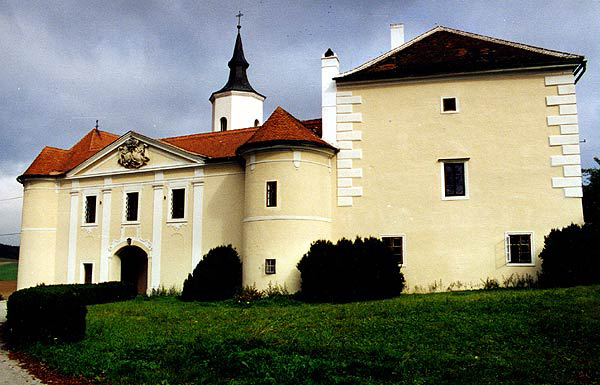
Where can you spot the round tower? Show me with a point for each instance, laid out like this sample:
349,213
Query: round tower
236,105
288,200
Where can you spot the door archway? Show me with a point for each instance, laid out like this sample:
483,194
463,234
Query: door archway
134,267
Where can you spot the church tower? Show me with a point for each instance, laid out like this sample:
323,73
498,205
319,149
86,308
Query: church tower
237,105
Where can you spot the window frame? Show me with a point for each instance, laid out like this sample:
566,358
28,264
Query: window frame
507,244
465,162
85,206
268,266
223,123
276,203
139,205
185,203
401,236
82,271
455,111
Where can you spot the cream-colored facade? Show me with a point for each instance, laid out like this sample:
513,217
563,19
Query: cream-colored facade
513,135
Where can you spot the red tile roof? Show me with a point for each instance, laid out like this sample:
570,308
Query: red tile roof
283,128
55,161
444,50
214,145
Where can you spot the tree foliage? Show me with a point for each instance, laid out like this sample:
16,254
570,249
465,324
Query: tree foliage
349,271
217,276
591,194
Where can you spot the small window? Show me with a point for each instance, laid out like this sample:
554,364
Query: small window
396,244
270,266
256,123
518,248
131,206
223,124
87,273
272,194
178,203
90,209
449,105
454,179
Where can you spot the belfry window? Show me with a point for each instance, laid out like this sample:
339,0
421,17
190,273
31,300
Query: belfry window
90,209
223,124
178,203
256,123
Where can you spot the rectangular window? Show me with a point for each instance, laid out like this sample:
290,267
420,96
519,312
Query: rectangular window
396,244
449,105
455,181
90,209
177,203
272,194
518,248
270,266
87,273
131,206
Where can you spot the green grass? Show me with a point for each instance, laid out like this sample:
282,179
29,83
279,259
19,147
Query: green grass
505,336
8,272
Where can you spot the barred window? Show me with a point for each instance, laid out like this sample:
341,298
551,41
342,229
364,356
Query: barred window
396,244
270,266
272,194
518,248
90,209
131,206
178,203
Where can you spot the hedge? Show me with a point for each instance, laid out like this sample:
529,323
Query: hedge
57,312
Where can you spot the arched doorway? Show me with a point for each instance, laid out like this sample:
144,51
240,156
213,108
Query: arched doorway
134,267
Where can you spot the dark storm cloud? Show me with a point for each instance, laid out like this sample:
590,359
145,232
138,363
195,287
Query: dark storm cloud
150,66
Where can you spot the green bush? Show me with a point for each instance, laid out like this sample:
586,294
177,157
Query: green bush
45,313
58,311
571,256
350,271
217,276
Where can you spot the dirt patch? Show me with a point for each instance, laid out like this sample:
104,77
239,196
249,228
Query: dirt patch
7,288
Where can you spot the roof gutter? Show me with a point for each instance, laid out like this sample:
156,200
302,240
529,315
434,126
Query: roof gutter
580,70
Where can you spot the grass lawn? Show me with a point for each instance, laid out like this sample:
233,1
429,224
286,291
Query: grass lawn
506,336
8,271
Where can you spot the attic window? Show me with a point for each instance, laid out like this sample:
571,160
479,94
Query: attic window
223,124
449,105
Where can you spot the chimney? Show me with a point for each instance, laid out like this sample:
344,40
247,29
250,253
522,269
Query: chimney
330,68
397,35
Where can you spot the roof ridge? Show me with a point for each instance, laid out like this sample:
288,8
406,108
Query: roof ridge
218,133
440,28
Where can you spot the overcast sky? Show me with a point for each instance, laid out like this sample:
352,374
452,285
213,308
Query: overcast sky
150,66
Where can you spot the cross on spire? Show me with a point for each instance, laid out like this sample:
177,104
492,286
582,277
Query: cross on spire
239,16
96,124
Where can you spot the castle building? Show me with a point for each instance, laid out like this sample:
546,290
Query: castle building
460,151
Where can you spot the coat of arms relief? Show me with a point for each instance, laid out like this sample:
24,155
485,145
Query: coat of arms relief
133,154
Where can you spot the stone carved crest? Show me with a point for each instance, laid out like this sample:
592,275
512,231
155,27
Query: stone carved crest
133,154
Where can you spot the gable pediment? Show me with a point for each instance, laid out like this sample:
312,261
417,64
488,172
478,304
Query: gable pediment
134,153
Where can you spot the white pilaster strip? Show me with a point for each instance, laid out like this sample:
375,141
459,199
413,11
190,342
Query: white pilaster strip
157,222
72,237
105,243
197,223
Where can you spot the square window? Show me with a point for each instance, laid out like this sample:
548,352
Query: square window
396,244
455,183
270,266
272,194
90,209
449,105
131,206
178,203
518,248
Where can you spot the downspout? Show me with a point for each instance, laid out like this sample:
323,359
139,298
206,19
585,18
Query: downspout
580,70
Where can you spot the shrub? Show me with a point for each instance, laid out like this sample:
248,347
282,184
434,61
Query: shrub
490,284
348,271
249,294
217,276
571,256
45,313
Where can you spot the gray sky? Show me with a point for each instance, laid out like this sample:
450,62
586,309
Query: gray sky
150,66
